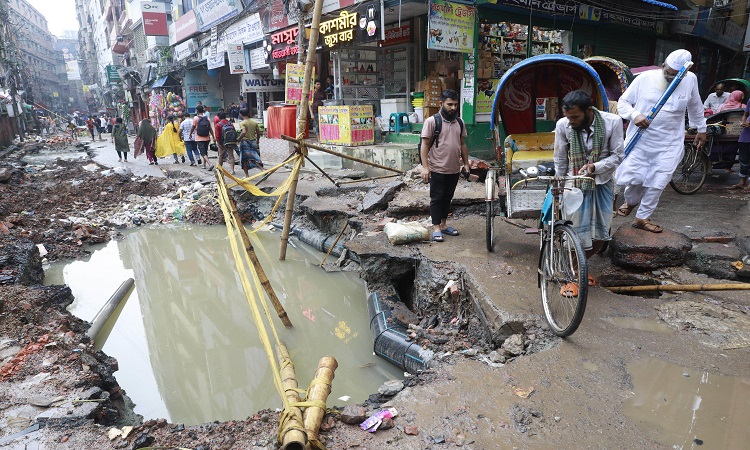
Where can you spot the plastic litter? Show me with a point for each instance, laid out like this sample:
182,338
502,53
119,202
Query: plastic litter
372,423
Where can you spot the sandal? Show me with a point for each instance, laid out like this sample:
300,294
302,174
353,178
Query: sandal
592,281
569,290
625,209
451,231
646,224
737,187
437,236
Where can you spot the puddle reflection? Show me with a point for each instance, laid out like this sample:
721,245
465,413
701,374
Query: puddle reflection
186,342
684,408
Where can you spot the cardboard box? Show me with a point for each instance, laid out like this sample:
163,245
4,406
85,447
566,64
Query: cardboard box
429,111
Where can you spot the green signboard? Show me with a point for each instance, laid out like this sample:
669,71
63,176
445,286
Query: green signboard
112,74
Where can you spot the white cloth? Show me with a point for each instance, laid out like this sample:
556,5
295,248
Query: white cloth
646,198
678,58
185,126
611,154
655,157
714,101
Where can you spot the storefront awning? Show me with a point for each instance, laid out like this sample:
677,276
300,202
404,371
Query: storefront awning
165,81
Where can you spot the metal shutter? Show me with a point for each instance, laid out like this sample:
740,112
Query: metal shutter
632,49
230,85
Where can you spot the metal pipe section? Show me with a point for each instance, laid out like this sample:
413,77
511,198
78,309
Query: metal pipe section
114,301
392,342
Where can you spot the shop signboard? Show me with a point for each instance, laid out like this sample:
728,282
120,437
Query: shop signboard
273,16
346,125
485,95
236,57
213,12
261,82
395,35
182,51
258,58
186,26
215,61
246,31
154,18
201,87
113,75
450,27
295,74
281,45
360,24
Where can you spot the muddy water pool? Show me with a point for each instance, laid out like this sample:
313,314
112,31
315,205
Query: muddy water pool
186,343
685,408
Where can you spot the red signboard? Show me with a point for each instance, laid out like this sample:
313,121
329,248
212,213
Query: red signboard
154,19
395,35
281,45
272,16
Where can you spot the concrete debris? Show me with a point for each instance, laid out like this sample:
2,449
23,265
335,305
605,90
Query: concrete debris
639,249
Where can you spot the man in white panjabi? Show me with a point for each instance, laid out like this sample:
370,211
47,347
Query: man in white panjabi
647,170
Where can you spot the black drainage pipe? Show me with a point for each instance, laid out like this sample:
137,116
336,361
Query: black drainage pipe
392,342
319,241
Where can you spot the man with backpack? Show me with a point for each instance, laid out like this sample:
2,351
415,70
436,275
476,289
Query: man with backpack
226,137
203,133
444,155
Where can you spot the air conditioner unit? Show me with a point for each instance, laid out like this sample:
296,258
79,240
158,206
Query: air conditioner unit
720,5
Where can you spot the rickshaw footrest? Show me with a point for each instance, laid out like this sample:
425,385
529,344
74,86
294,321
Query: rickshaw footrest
531,230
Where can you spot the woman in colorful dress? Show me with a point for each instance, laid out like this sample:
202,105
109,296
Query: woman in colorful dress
170,141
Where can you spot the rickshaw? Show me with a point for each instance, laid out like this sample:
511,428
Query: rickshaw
615,76
524,185
720,151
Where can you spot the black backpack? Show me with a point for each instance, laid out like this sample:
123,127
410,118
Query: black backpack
204,126
436,134
228,134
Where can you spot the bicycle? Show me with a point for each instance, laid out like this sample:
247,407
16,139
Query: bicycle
692,171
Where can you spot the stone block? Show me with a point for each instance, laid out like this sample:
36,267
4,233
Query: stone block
641,249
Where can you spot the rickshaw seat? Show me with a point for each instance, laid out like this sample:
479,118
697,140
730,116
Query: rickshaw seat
526,150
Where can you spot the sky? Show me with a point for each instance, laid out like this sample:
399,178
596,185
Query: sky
60,14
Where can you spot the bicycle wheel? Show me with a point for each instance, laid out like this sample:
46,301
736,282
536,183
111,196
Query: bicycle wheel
489,228
692,171
563,309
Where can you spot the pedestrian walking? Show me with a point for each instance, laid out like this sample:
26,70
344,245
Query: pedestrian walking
226,138
73,130
202,132
147,133
249,139
186,124
744,153
170,142
120,138
319,96
589,142
111,125
102,126
90,126
647,170
443,154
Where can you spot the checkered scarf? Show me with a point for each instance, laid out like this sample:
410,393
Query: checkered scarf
577,150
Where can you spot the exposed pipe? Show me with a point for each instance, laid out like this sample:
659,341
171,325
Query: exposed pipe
319,241
392,342
681,287
122,293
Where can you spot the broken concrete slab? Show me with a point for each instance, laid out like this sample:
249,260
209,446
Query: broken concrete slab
714,259
5,174
379,197
607,274
417,201
714,325
640,249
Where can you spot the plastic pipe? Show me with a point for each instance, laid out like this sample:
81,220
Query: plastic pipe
105,313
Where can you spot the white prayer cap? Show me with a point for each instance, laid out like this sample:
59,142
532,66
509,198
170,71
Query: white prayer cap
678,58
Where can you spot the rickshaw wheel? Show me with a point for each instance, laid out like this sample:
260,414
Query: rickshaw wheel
691,173
563,306
490,226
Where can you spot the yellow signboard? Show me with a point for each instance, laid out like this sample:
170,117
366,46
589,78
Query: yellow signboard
347,125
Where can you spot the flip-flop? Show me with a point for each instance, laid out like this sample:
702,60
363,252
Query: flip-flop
569,290
647,225
592,281
437,236
451,231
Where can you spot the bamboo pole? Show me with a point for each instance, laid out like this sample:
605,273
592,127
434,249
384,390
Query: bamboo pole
254,258
341,155
681,287
302,121
319,389
293,435
362,180
321,170
346,224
